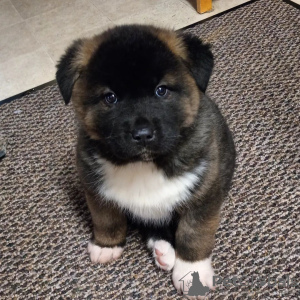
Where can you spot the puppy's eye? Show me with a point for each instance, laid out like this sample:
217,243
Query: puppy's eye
161,91
111,98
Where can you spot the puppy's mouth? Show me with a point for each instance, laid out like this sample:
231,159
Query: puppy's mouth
146,155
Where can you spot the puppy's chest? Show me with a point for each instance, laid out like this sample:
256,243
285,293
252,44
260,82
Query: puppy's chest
144,190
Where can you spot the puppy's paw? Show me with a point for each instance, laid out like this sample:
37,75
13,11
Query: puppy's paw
103,254
163,253
193,279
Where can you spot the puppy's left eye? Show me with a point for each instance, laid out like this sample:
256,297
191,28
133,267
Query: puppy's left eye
161,91
111,98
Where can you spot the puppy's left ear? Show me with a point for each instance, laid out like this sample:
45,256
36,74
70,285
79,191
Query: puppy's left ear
200,59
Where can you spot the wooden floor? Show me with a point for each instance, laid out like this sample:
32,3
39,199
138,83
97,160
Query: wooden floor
204,6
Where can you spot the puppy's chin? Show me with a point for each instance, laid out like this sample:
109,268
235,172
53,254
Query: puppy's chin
146,155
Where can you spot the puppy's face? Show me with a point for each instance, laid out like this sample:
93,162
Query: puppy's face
134,89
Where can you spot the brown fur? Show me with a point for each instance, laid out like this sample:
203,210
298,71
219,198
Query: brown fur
173,41
195,240
191,104
195,235
177,46
110,225
84,113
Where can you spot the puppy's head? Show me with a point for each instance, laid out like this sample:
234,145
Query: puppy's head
136,88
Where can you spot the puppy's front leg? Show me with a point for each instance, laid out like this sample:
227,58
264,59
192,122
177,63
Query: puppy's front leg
195,237
109,232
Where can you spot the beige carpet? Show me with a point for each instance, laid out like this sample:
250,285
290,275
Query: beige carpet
45,224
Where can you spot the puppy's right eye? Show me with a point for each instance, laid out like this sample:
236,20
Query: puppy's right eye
110,98
161,91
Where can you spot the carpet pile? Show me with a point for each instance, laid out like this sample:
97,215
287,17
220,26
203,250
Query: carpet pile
45,224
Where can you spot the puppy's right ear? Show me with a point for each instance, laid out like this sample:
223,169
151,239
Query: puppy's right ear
68,69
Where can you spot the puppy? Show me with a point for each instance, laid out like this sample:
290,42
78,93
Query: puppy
152,149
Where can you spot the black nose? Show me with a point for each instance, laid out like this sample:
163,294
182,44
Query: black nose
143,135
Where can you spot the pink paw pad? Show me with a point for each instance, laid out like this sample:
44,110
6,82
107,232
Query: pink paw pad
164,255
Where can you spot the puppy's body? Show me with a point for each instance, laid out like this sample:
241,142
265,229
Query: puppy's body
151,191
152,148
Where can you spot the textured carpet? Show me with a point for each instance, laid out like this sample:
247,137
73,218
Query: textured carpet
45,224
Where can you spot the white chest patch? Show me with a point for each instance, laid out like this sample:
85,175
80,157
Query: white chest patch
144,190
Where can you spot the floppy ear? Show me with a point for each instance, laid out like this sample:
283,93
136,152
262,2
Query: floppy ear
200,60
68,69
